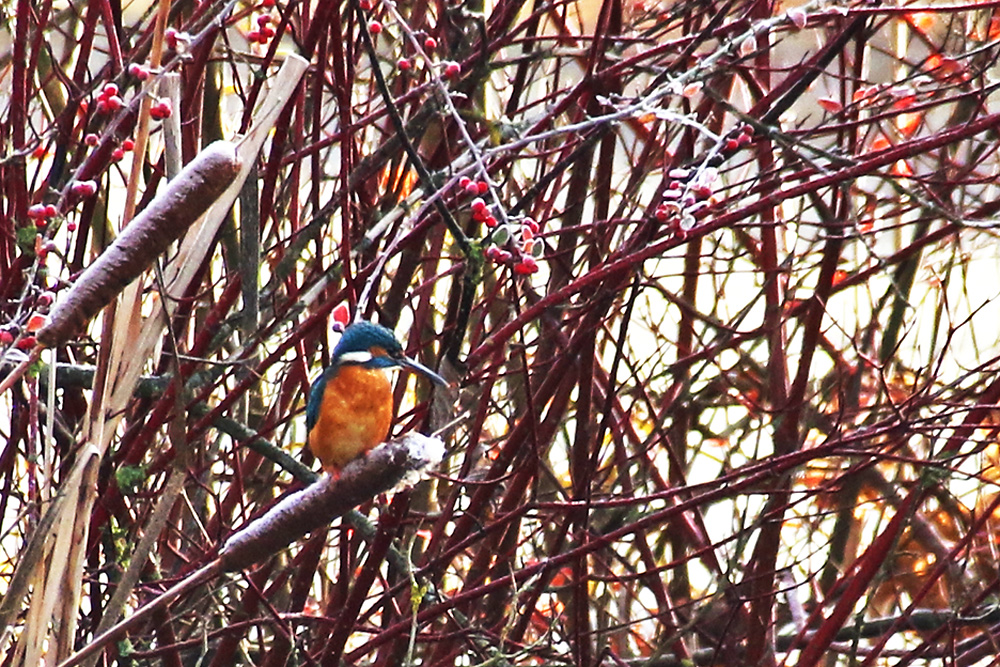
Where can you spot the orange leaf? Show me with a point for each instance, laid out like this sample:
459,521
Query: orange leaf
692,89
922,21
830,104
904,102
994,32
907,123
902,168
880,144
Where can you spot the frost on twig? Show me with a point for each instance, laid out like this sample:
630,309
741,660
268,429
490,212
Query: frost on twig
397,462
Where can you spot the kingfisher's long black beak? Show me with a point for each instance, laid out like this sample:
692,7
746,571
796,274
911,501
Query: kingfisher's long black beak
418,367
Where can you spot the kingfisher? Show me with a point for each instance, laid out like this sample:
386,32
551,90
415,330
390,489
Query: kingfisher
350,403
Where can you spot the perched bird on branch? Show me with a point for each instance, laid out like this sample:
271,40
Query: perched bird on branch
350,404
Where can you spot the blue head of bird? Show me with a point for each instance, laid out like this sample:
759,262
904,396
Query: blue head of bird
373,346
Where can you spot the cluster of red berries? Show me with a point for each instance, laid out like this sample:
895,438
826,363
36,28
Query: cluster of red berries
41,214
449,69
480,210
161,110
685,195
140,72
738,139
109,101
10,331
689,189
118,153
263,33
526,251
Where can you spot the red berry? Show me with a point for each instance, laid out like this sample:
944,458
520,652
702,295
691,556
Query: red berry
365,5
662,213
46,298
483,187
430,43
26,343
113,103
490,221
374,27
41,223
39,153
731,145
6,337
102,106
341,315
403,64
117,154
267,3
253,36
263,20
91,139
530,224
51,210
464,181
36,211
472,188
478,205
526,266
84,188
452,69
128,144
266,33
110,90
71,226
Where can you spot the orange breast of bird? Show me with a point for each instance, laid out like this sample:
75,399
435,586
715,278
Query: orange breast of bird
354,416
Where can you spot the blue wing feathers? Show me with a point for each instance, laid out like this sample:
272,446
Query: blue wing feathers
315,400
